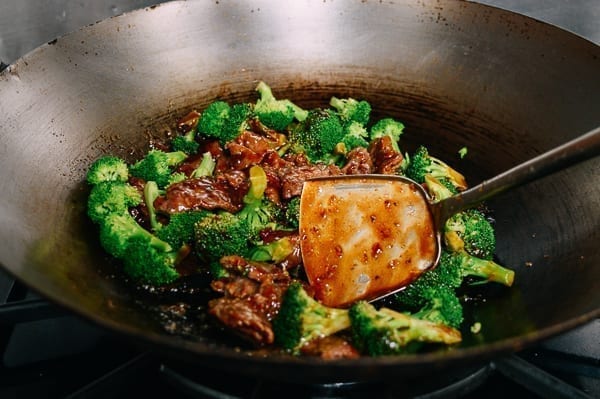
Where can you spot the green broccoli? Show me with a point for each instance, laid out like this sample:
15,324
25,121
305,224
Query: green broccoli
275,251
388,127
258,211
224,122
387,332
212,121
433,296
108,168
422,164
471,266
111,197
206,167
318,136
472,232
157,166
301,319
273,113
352,110
147,264
117,229
151,193
186,143
292,213
355,135
176,177
221,234
237,121
180,229
442,306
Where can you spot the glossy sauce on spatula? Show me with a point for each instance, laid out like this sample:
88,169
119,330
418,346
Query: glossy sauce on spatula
361,241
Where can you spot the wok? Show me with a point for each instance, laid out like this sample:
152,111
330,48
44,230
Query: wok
456,73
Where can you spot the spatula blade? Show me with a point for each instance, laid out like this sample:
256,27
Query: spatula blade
363,237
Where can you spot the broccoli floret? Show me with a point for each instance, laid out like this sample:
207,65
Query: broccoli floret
258,211
176,177
471,266
355,135
212,121
222,234
442,307
388,127
206,167
352,110
301,319
186,143
117,229
157,166
275,251
276,114
237,121
472,232
387,332
180,229
422,164
292,213
433,295
147,264
106,169
111,197
224,122
318,136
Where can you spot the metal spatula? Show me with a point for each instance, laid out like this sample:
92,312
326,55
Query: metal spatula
367,236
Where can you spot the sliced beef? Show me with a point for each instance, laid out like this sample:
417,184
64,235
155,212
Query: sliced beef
242,316
330,348
358,162
386,159
188,122
225,192
293,177
251,297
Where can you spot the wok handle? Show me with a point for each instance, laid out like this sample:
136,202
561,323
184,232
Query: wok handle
572,152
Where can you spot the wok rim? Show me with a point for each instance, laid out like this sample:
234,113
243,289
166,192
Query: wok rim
183,346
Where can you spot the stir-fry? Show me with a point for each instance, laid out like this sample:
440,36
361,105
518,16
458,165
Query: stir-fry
222,197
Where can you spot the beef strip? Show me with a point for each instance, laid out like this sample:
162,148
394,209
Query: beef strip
188,122
385,158
358,162
292,177
330,348
226,192
251,297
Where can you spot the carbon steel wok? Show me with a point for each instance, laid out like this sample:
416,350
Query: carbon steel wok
456,73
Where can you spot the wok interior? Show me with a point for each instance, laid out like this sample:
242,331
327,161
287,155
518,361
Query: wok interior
457,74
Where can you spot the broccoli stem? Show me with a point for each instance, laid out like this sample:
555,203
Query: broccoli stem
206,167
486,269
151,193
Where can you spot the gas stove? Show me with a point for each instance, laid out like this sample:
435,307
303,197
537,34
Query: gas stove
49,353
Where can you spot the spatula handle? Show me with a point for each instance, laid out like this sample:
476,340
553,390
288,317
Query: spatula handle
577,150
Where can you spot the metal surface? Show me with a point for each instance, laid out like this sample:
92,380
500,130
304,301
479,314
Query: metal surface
456,73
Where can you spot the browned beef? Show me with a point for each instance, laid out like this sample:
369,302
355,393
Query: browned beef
241,315
330,348
251,297
358,162
188,122
293,177
385,159
224,192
